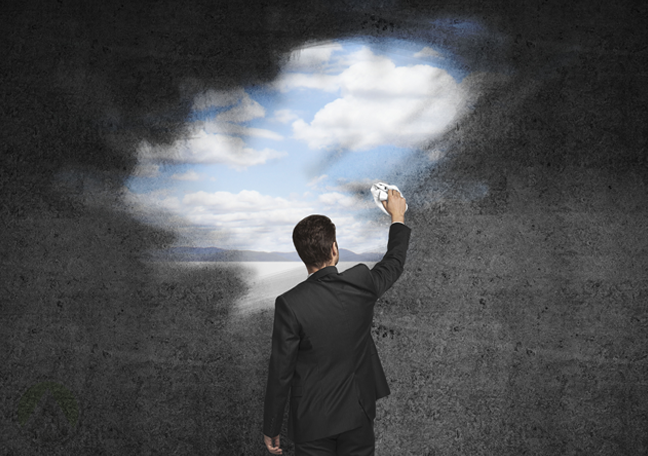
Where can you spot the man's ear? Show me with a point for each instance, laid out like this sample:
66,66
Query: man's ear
334,249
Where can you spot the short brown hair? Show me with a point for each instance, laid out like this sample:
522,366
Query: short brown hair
313,238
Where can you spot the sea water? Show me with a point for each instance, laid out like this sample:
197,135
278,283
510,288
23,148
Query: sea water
268,279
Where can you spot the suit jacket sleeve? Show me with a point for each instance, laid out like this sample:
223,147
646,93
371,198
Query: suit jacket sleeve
389,269
285,345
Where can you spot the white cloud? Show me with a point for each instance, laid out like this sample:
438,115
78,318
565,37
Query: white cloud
207,148
337,199
246,200
246,109
382,104
315,181
363,54
377,104
228,128
146,170
190,175
427,52
243,108
359,235
284,115
312,58
290,81
252,220
157,204
214,141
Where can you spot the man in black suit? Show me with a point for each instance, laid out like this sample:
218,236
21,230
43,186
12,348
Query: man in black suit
322,349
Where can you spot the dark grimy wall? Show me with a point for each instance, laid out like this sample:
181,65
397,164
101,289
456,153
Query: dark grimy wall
519,326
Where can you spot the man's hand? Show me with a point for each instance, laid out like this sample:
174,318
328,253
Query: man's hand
395,206
272,444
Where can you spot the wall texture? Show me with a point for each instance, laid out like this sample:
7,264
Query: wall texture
519,327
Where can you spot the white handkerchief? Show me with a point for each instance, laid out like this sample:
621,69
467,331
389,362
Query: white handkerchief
379,192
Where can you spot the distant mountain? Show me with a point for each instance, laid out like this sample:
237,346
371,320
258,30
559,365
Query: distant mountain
217,254
348,255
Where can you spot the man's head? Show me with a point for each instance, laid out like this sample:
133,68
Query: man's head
314,239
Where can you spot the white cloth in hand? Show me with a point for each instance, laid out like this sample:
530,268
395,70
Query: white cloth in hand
379,192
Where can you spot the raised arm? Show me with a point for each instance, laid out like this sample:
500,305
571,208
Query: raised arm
389,269
395,206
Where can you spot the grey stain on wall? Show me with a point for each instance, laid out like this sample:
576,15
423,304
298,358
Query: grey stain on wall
64,398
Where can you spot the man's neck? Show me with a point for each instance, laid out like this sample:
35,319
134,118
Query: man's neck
313,270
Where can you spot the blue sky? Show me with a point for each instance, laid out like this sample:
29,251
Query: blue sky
256,160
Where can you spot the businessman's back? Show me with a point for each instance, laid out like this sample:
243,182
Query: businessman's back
323,354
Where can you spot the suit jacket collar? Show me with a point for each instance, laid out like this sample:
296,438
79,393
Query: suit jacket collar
323,272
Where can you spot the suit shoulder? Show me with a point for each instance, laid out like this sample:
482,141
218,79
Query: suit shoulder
295,292
358,276
356,271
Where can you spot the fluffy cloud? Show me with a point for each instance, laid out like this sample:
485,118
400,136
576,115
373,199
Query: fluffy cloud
190,175
317,180
325,82
244,201
217,140
427,52
205,148
375,103
380,104
228,128
246,220
158,207
246,109
251,220
337,199
359,235
146,170
242,109
284,116
312,58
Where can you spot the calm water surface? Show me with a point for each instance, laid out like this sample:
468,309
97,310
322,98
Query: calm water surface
268,279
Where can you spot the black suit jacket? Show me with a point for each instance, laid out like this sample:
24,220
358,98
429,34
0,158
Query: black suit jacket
322,349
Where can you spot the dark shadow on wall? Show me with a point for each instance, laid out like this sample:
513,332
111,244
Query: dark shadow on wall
519,325
150,352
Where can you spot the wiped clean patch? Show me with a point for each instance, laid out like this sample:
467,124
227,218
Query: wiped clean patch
339,117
